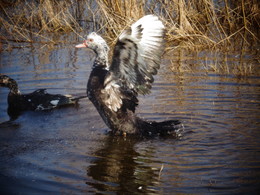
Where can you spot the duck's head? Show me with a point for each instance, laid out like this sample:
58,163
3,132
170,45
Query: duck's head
96,43
6,81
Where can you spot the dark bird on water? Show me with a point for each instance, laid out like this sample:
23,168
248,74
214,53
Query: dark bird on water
113,87
35,101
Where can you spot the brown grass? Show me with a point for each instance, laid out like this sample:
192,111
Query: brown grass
194,24
191,25
28,20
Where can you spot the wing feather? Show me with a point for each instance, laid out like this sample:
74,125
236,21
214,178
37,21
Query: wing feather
137,54
112,95
115,96
136,58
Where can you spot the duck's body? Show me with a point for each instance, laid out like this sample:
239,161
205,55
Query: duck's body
36,101
113,88
122,120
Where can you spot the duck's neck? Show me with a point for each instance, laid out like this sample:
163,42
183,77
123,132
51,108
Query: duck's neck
12,85
102,58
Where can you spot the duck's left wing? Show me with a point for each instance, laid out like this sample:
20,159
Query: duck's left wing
137,54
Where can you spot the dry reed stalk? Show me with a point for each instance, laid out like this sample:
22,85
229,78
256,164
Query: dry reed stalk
193,25
29,18
117,15
160,172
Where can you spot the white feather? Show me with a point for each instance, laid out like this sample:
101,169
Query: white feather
54,102
147,40
40,107
113,98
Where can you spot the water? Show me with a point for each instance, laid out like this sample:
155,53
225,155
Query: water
69,151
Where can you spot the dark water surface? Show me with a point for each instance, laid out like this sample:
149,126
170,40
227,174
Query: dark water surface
69,151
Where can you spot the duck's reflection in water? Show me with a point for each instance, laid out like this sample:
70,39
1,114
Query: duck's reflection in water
119,168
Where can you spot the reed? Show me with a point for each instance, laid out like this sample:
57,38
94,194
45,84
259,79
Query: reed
28,20
226,25
194,24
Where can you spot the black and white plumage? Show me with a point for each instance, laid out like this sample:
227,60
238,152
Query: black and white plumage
113,87
36,101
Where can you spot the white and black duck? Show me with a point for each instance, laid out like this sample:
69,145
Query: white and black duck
35,101
113,87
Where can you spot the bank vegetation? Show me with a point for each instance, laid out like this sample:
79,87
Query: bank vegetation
195,25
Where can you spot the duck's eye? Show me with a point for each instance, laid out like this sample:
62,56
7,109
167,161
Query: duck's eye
90,40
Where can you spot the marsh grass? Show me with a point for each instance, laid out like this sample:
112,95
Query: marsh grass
194,25
28,20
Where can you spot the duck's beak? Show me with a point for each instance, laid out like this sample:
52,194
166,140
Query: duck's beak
81,45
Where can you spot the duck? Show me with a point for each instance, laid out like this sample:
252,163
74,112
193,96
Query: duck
114,87
39,100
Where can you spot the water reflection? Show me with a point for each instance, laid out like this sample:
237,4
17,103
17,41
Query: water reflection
120,168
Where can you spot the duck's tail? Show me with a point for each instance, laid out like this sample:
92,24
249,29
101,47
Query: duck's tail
78,98
68,100
164,128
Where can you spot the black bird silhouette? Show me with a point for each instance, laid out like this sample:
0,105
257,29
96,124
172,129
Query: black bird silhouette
113,88
35,101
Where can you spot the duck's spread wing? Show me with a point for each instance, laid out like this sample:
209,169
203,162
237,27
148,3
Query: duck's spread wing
137,54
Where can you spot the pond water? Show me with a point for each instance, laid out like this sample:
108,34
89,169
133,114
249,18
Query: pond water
69,151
